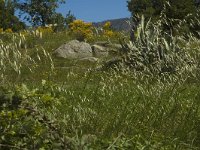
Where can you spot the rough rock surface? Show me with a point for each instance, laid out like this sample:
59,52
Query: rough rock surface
99,51
74,50
85,52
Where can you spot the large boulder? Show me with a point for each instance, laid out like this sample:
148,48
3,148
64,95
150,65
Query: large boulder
74,50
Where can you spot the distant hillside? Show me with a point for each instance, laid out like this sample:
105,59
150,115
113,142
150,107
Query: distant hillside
117,24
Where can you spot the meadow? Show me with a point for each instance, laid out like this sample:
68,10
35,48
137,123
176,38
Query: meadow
148,101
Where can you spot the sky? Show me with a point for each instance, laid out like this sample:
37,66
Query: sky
95,10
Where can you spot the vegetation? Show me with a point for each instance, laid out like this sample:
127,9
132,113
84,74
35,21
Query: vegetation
175,11
8,20
81,30
137,106
149,99
40,12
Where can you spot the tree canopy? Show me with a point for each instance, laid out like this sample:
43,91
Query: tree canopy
40,12
7,16
173,10
178,9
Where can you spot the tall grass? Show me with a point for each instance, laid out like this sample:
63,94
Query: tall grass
15,58
157,51
154,104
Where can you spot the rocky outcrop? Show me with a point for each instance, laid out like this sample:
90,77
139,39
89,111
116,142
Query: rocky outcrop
74,50
83,51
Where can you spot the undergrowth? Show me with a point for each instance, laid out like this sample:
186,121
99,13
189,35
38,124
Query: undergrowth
150,101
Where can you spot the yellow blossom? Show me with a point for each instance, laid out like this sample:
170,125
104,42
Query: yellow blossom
107,26
81,30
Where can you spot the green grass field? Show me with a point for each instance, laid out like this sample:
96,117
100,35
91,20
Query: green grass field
52,103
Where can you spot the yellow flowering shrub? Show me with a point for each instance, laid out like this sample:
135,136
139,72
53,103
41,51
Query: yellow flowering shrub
81,30
9,30
107,31
107,26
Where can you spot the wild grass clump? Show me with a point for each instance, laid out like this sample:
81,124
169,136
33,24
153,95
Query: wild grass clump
15,58
158,51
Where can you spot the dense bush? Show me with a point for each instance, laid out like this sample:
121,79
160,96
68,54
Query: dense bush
107,31
81,30
24,123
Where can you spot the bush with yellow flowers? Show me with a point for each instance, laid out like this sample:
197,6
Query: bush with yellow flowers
107,26
107,31
81,30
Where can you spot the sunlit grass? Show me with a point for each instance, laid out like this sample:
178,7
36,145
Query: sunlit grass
51,103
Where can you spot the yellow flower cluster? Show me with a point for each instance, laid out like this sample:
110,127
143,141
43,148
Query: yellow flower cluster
45,30
81,30
107,26
107,31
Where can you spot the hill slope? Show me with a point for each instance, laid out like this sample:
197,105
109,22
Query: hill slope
117,24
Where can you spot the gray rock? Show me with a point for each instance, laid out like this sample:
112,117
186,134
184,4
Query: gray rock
74,50
99,51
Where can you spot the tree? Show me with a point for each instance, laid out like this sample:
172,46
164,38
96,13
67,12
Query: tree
178,9
40,12
69,18
7,16
58,22
174,10
61,22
